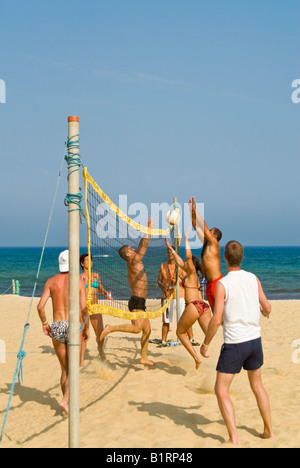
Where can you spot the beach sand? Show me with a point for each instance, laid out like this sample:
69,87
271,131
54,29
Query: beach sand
124,405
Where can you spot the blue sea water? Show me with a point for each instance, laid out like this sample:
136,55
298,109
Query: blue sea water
278,269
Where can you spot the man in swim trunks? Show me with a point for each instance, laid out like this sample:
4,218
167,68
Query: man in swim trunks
137,280
210,255
58,288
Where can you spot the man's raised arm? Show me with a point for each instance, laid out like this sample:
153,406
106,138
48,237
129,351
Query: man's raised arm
144,242
199,224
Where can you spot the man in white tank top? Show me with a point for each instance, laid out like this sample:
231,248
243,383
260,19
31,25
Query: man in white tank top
239,300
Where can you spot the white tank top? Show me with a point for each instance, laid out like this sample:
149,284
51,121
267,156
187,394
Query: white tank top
241,315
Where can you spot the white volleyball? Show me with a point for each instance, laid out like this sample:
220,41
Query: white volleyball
173,217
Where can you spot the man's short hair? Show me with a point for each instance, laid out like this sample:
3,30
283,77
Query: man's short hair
234,253
123,251
218,234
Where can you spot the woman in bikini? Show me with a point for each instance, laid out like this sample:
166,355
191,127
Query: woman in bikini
195,307
96,320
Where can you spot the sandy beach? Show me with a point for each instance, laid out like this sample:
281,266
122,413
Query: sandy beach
124,405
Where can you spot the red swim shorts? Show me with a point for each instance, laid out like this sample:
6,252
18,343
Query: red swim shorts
210,291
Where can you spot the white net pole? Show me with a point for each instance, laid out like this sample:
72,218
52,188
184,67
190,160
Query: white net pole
74,340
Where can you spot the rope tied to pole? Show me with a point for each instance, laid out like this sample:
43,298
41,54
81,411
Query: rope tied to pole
76,199
74,163
73,158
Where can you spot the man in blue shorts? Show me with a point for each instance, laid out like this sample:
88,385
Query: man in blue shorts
239,300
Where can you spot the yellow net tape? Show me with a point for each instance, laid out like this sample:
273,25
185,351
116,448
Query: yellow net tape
102,308
107,310
120,213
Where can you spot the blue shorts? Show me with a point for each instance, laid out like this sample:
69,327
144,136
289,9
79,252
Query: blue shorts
234,357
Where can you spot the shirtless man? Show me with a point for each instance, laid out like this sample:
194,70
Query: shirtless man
58,288
210,255
137,280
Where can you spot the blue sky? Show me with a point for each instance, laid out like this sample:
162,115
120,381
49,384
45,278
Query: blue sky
175,97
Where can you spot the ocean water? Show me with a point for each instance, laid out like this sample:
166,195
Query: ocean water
278,269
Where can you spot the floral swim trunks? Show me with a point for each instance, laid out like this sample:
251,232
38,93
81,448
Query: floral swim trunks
60,331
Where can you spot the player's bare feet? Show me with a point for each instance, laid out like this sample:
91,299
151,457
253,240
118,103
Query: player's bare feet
198,363
267,434
233,442
64,406
102,354
146,362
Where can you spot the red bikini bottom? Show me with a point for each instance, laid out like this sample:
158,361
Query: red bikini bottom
201,307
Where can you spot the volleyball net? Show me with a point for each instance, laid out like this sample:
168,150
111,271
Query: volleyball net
110,229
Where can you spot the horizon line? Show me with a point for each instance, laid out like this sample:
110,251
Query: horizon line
84,246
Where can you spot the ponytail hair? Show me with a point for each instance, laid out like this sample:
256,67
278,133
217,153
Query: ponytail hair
197,264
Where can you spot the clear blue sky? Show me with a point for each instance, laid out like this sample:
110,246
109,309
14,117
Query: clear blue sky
175,97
